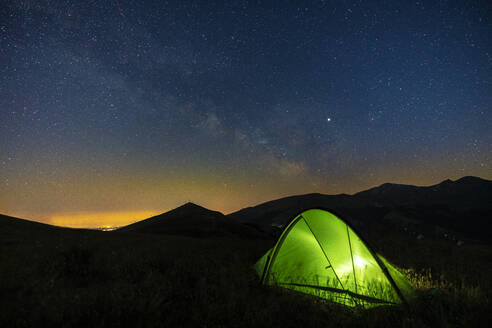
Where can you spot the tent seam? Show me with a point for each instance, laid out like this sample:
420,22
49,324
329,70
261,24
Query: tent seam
352,257
324,253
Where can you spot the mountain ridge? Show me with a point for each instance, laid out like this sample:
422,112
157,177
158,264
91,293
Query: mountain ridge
192,220
464,204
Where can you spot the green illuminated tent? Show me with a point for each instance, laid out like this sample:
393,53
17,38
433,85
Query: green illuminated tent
319,254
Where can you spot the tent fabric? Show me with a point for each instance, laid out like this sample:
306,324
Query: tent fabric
320,254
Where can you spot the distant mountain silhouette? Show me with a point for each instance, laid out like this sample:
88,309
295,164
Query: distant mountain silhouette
192,220
462,194
18,231
462,207
10,224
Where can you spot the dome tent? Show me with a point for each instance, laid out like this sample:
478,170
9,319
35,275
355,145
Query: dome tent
320,254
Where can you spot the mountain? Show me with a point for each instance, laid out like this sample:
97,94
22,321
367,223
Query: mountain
461,207
463,194
278,212
10,224
15,231
194,221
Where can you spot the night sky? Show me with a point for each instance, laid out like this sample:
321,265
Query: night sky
114,110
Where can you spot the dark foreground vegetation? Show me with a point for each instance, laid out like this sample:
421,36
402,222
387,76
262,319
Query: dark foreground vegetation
64,278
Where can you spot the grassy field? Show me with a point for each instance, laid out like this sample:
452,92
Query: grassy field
66,278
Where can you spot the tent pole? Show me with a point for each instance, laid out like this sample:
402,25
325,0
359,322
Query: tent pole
324,253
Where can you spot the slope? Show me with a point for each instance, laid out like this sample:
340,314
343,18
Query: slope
194,221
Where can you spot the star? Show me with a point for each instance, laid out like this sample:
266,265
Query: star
174,106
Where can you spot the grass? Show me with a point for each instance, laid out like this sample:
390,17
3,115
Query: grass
68,278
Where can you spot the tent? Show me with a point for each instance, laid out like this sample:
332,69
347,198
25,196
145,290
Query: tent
320,254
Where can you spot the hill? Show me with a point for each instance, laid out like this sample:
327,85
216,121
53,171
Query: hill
194,221
467,193
461,208
52,276
10,226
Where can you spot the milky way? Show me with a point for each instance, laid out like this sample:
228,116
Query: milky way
113,110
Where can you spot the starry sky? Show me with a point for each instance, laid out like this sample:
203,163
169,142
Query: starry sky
114,110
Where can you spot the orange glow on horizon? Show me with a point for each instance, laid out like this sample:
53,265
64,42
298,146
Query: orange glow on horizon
105,220
109,202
